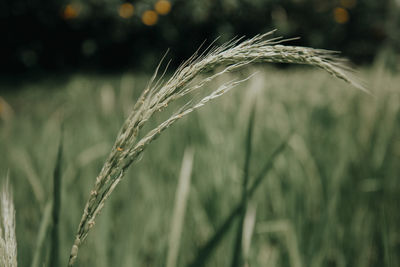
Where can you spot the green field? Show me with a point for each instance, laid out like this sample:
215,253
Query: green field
331,198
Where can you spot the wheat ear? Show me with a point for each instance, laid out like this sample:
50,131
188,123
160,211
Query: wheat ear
8,240
158,94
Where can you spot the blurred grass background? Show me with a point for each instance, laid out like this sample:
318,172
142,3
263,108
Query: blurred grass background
331,199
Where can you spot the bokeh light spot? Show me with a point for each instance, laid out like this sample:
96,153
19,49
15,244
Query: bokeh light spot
70,12
162,7
149,18
341,15
348,3
126,10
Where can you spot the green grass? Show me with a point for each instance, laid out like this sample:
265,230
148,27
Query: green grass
331,199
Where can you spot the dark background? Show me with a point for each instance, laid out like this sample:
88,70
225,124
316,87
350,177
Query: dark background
57,35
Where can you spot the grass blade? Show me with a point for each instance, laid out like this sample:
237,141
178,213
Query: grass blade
237,250
43,232
178,216
248,229
54,249
268,165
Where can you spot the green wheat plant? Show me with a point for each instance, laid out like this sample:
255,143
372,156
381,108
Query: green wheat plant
187,79
8,241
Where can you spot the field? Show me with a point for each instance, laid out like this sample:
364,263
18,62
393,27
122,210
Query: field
331,198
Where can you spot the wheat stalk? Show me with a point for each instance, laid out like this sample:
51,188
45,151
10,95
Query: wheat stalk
8,241
158,94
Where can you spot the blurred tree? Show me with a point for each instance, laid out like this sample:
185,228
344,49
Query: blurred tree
113,34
